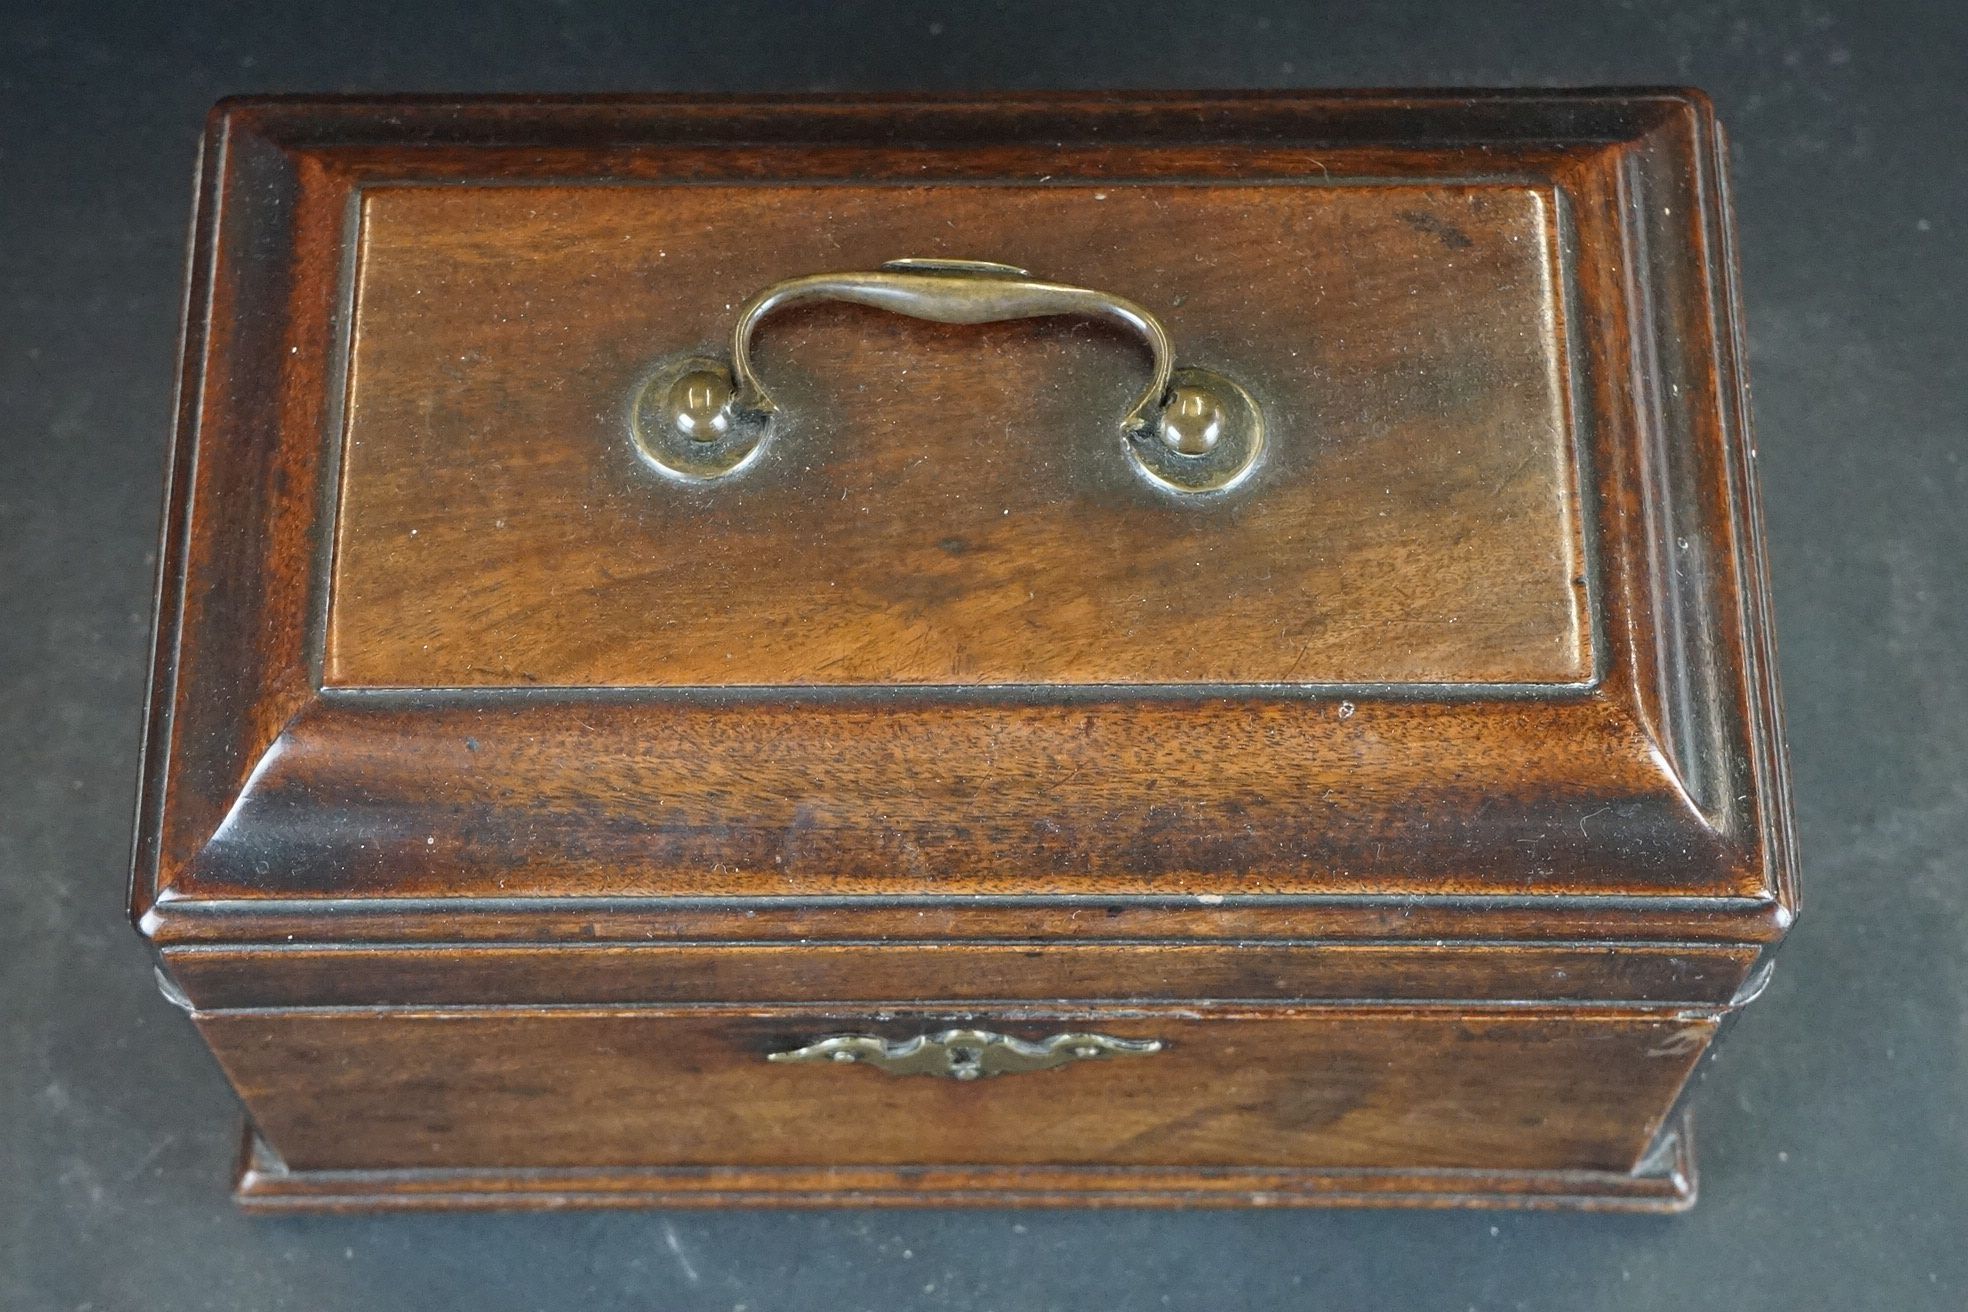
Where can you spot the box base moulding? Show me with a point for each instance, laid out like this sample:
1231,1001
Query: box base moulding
1664,1182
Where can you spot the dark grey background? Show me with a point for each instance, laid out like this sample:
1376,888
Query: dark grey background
1832,1136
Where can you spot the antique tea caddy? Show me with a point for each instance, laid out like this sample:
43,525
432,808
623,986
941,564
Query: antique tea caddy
686,674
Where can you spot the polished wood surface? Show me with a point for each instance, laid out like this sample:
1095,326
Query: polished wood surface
502,799
1666,1182
951,505
1522,1090
969,971
1657,779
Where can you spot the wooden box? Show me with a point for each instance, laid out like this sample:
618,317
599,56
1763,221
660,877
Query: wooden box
656,703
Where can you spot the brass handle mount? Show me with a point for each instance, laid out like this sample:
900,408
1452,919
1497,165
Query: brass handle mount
1190,430
966,1054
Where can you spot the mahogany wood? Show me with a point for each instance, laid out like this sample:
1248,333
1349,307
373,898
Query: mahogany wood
1350,1088
503,800
949,505
1664,1182
968,971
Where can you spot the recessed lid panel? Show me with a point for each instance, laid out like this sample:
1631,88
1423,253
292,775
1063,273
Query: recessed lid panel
951,504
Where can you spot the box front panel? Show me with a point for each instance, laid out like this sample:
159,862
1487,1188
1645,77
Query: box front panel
1519,1090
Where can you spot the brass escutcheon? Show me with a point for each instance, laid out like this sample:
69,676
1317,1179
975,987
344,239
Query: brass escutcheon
965,1054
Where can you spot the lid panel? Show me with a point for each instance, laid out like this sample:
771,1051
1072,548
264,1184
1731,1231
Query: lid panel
952,505
441,658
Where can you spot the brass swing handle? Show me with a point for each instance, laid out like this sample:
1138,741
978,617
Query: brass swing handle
1191,430
966,1054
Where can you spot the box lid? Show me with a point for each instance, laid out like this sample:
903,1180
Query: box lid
580,528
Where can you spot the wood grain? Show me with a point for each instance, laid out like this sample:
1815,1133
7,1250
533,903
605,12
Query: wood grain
952,505
1523,1091
503,804
1666,1183
1661,779
891,972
